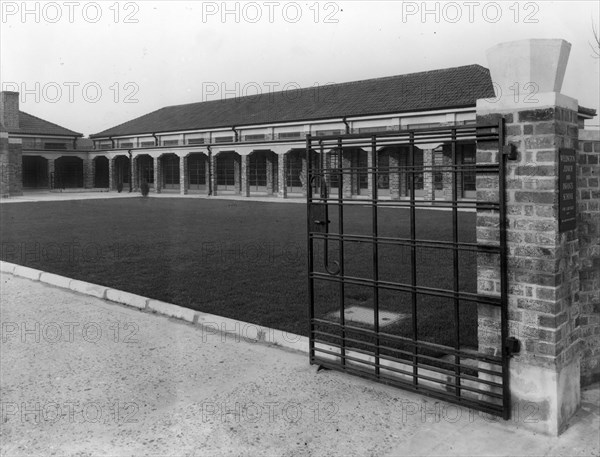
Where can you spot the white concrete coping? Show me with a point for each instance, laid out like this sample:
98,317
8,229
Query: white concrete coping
126,298
541,100
55,280
7,267
171,310
88,288
541,62
27,272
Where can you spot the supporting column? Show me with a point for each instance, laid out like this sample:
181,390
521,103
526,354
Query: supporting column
327,171
394,175
543,276
237,179
89,172
183,175
428,174
347,175
304,175
245,181
270,174
207,174
157,174
447,175
214,165
111,174
135,179
282,161
370,182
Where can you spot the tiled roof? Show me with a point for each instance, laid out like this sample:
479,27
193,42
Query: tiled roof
439,89
32,125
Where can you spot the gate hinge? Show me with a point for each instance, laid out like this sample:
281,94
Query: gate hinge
512,346
510,151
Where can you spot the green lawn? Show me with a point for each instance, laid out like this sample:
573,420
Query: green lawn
244,260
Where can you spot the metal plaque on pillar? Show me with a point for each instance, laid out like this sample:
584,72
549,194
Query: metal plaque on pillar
567,189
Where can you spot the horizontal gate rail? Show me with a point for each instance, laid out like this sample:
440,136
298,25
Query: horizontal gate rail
336,176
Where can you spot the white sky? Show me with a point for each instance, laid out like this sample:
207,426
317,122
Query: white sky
175,55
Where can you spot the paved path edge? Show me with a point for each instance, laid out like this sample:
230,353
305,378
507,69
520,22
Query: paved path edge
210,324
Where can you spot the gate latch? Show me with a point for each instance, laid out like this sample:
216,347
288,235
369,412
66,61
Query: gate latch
319,220
512,346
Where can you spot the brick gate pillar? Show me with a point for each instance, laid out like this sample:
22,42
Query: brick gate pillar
282,160
543,281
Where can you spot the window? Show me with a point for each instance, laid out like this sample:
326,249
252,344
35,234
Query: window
224,139
171,143
147,144
127,145
328,132
61,146
372,129
288,135
195,141
258,136
424,125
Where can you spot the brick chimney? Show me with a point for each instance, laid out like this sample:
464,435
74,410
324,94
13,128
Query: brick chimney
9,110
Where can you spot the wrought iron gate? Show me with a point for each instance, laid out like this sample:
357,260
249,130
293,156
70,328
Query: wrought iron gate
393,281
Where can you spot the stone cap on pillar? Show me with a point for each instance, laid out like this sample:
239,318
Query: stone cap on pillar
529,73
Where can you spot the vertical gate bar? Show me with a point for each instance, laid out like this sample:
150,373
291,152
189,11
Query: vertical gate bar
375,235
311,297
413,256
455,259
503,271
340,204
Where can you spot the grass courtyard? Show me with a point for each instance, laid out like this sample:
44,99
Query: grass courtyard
240,259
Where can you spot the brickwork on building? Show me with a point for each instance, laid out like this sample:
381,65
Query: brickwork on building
271,173
135,179
89,172
282,188
244,181
51,172
157,175
10,167
183,175
588,189
213,167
